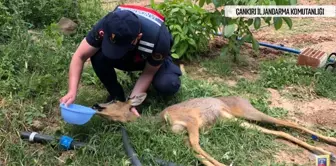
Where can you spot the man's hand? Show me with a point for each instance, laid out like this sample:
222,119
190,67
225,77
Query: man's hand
69,98
135,111
143,82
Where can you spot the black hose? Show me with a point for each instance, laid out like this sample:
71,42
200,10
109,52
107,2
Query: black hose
133,156
41,138
38,138
332,64
128,148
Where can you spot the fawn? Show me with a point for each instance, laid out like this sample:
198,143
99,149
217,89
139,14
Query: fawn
192,114
195,113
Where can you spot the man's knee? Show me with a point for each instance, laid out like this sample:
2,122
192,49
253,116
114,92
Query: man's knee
167,84
167,79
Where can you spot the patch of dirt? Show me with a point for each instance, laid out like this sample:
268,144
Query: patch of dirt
308,113
316,2
299,92
328,46
322,117
247,73
294,155
37,125
297,155
278,101
317,40
2,103
216,79
64,156
48,125
320,35
217,43
195,71
250,57
253,58
317,33
317,107
231,82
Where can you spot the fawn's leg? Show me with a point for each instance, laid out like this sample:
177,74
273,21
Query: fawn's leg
178,128
193,131
296,126
288,137
248,112
204,160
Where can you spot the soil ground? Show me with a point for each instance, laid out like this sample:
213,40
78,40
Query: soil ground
316,112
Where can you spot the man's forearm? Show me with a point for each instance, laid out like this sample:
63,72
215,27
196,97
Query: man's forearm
83,52
145,79
142,84
76,67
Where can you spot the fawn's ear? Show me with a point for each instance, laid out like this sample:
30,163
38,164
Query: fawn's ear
137,99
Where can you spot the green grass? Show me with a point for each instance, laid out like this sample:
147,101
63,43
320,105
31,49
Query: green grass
149,139
226,141
284,72
33,76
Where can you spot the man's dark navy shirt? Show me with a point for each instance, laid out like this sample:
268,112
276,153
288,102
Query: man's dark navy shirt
94,39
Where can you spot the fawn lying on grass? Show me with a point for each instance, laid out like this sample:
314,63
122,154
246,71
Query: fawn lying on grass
200,112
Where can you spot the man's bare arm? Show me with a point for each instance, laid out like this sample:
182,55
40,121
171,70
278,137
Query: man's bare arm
83,52
145,79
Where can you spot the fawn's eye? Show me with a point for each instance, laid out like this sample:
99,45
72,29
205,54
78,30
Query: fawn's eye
97,107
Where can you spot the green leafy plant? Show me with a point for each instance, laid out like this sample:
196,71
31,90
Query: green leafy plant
190,25
89,13
235,28
282,72
9,23
38,13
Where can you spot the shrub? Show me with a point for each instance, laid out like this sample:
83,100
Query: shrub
190,25
33,67
89,13
9,23
38,13
234,28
